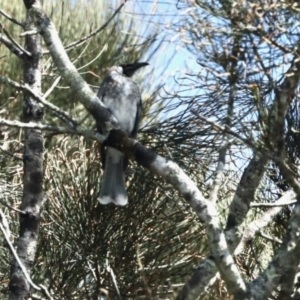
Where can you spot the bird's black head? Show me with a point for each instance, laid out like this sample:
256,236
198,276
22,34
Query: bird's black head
129,69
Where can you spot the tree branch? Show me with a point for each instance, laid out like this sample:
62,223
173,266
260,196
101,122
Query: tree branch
13,251
99,29
273,204
255,227
205,274
245,192
284,265
57,129
7,16
15,50
15,254
233,78
14,42
59,112
287,259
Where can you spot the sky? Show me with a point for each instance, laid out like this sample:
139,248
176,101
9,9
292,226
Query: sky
161,16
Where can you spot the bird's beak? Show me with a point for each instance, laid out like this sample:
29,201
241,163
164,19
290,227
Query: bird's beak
129,69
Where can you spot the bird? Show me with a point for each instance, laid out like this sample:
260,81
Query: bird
121,96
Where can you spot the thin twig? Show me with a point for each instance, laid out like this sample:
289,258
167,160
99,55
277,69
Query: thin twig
270,238
113,277
29,32
7,16
18,259
14,41
46,292
94,59
225,129
41,288
273,204
82,40
60,113
12,208
52,87
141,271
9,45
62,130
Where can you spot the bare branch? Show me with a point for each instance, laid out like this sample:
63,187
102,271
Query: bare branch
29,33
15,50
99,29
206,273
17,258
41,288
12,208
213,195
59,112
275,204
257,225
14,42
5,224
290,176
246,190
285,262
270,238
62,130
7,16
52,87
233,78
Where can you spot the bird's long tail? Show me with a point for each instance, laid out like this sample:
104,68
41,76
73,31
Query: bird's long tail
113,185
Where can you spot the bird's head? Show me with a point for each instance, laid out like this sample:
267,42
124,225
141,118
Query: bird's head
129,69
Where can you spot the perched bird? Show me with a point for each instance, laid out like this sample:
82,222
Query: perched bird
121,95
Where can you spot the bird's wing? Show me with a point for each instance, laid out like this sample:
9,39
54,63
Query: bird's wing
138,99
137,118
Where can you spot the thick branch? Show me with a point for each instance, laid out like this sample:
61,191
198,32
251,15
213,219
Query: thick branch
286,260
207,271
255,227
284,265
245,192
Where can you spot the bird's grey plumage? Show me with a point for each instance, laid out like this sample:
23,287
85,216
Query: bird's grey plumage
121,95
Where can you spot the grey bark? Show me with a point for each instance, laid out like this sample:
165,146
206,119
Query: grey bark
32,198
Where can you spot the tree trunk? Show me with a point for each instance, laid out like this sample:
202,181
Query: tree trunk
32,199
